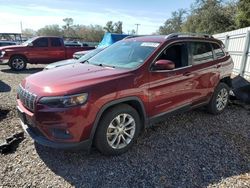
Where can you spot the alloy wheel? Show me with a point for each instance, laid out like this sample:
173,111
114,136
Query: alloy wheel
222,99
18,63
121,131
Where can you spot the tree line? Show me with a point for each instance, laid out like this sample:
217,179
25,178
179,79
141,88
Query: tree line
90,33
204,16
209,16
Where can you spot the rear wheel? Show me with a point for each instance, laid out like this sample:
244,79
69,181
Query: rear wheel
117,130
219,99
17,63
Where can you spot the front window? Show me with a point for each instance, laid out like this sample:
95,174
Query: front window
124,54
41,42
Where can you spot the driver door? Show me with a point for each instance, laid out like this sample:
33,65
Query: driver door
170,90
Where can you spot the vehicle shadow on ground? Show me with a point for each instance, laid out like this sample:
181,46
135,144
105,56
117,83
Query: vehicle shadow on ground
26,71
4,87
194,149
3,113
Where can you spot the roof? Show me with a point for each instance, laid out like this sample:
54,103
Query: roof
163,38
148,38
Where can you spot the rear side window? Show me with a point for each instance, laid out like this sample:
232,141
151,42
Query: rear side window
42,42
201,52
55,42
218,51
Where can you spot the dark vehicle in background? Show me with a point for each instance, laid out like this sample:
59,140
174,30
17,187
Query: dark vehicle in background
111,98
72,61
38,50
7,43
77,44
108,39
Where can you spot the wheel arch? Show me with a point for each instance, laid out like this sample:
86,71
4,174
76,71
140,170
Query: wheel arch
227,80
20,55
134,102
16,55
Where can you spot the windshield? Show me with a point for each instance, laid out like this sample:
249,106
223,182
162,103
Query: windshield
124,54
27,41
89,55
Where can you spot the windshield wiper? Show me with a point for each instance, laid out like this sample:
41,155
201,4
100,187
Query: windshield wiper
86,61
102,65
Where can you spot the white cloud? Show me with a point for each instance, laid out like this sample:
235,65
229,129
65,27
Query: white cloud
35,17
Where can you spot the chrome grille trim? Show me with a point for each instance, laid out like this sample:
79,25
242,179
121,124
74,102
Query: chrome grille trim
27,98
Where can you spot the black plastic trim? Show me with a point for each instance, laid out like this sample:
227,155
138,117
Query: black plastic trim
164,115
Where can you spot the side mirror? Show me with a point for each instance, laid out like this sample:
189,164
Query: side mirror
30,44
163,64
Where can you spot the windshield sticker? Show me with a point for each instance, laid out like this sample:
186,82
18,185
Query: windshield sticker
150,44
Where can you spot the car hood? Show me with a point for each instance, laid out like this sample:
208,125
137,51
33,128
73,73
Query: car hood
12,47
61,63
70,79
83,52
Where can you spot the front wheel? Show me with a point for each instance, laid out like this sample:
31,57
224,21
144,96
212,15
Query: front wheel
17,63
219,99
117,130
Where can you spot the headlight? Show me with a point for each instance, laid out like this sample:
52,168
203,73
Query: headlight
64,101
2,53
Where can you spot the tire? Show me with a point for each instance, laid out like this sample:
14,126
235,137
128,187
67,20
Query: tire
219,100
110,137
18,63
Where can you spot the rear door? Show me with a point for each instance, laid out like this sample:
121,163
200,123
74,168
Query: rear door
57,49
38,53
204,69
171,90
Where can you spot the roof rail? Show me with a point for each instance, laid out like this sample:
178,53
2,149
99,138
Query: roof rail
188,35
133,36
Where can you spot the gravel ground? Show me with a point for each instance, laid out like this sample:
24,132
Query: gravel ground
194,149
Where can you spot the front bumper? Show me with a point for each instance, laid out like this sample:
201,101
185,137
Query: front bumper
85,145
4,61
41,126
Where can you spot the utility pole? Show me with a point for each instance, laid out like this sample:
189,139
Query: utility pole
21,25
137,25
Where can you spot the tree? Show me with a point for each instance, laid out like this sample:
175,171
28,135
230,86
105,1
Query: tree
50,30
113,27
210,16
92,33
243,15
131,32
118,27
68,28
174,23
68,23
29,33
109,27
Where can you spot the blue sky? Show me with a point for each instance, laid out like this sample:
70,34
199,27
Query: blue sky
36,14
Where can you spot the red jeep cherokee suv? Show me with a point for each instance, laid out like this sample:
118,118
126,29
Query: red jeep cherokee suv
109,99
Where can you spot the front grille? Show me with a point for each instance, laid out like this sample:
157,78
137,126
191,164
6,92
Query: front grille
27,98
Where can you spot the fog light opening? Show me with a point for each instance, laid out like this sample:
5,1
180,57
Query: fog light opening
61,133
